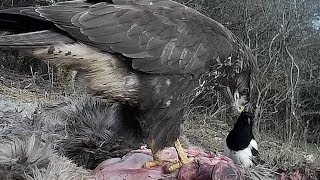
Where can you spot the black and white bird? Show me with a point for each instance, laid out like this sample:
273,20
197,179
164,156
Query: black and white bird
241,146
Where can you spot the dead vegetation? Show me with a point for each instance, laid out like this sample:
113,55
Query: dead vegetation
285,40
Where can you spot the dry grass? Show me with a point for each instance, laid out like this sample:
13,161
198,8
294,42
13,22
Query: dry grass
279,153
203,129
286,45
208,131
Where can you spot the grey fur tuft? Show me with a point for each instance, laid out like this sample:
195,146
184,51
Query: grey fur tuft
27,157
36,137
97,131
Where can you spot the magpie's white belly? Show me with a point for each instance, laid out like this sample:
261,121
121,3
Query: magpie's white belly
243,157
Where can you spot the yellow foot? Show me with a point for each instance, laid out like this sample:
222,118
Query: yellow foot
167,166
151,164
182,154
183,158
174,166
171,166
156,162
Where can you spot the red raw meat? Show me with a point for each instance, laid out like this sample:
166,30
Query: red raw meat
131,167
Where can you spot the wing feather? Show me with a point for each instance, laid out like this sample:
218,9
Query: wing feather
160,36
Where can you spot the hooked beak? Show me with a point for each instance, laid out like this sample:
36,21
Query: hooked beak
239,103
241,108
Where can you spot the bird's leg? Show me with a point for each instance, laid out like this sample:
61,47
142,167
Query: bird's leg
172,166
156,160
182,155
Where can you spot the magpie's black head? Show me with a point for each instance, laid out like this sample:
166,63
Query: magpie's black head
240,136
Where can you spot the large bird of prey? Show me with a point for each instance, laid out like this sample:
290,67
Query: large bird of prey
156,55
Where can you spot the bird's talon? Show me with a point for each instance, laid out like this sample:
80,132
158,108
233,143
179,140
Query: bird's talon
151,164
175,166
188,160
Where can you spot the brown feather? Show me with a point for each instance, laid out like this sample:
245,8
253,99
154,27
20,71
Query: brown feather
164,55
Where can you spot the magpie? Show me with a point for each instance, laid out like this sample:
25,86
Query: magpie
240,144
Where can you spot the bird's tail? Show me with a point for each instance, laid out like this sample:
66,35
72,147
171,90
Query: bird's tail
29,28
32,40
22,19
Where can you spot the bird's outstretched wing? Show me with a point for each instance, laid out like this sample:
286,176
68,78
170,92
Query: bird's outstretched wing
160,36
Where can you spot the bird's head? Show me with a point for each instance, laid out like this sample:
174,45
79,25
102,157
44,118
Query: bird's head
237,84
237,92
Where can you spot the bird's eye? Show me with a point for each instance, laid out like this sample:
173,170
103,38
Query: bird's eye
244,91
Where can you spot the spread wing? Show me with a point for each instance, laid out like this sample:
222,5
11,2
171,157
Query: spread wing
160,36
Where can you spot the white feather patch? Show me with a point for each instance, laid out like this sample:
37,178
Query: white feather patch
104,72
253,144
243,157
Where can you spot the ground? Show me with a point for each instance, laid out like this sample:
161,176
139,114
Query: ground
27,93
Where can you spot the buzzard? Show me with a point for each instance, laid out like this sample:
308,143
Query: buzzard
155,55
